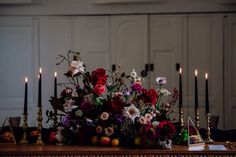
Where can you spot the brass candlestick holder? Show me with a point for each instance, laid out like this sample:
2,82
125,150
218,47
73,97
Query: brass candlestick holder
25,127
55,124
181,119
208,139
197,123
40,126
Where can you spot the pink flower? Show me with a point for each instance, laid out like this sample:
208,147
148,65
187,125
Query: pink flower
104,116
99,129
109,131
142,120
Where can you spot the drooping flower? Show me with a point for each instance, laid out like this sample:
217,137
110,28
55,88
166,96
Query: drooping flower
132,112
161,80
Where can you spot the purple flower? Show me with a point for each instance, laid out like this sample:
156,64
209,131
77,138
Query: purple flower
136,87
119,119
86,107
66,121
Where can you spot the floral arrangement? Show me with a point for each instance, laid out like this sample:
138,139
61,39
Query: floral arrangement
113,108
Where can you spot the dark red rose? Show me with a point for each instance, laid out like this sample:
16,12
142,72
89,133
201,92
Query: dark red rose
99,89
166,128
116,105
98,77
149,96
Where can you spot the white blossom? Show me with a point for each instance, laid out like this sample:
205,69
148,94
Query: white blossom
132,112
161,80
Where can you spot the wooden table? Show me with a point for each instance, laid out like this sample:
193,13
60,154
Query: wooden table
26,150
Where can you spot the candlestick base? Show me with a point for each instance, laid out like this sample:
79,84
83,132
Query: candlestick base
23,140
39,141
197,119
25,127
181,119
40,126
208,139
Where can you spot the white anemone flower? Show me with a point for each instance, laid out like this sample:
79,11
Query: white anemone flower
132,112
133,74
161,80
164,92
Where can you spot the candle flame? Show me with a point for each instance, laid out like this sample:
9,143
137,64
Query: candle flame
40,70
196,72
26,79
55,74
206,75
180,70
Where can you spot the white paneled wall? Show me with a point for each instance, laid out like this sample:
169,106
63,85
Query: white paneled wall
194,41
17,60
230,73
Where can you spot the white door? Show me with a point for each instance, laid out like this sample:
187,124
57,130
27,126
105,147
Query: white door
230,72
55,38
91,38
17,60
168,48
205,53
129,42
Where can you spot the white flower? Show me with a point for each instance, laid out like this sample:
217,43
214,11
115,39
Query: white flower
164,92
132,112
68,106
76,67
133,74
161,80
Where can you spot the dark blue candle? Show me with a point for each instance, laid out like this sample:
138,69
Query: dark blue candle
207,95
196,91
180,89
26,95
40,88
55,85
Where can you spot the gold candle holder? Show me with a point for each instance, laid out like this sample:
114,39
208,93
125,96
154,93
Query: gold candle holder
181,119
25,127
40,126
208,139
55,124
197,123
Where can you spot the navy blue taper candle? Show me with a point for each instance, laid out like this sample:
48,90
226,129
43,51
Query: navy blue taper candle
26,95
55,85
180,89
40,88
207,95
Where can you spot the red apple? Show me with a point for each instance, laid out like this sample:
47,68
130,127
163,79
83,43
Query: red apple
105,140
